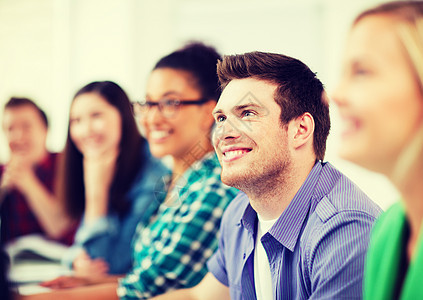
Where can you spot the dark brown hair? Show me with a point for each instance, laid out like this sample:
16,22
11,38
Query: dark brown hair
128,162
298,89
200,61
17,102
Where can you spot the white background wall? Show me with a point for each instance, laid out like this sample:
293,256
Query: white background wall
51,48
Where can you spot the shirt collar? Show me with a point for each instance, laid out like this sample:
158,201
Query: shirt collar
249,217
288,227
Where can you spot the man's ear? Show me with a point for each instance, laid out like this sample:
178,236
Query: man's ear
207,114
303,129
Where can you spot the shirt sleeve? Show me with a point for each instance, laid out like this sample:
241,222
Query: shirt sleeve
335,259
104,239
182,240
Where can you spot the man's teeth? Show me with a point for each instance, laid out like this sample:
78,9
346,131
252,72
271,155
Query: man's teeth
158,134
231,154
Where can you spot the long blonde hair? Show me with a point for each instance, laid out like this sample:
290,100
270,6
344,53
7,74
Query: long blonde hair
407,20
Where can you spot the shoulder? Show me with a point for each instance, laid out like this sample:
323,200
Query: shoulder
393,214
342,210
391,220
337,194
386,242
149,183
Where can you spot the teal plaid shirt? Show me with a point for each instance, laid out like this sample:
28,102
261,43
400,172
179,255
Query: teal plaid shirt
172,250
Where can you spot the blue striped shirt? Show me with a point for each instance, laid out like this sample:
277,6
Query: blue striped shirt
316,248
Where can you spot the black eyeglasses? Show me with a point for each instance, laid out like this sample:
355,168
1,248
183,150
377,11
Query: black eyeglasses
168,107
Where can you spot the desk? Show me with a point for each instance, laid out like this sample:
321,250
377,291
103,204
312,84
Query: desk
28,270
26,275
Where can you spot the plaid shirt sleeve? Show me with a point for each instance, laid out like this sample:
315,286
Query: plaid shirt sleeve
171,253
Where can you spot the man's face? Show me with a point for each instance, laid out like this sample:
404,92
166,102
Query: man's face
250,142
25,132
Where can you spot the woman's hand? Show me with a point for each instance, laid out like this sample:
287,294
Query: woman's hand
19,174
65,282
99,170
84,266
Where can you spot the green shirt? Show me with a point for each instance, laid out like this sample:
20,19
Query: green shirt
384,255
171,252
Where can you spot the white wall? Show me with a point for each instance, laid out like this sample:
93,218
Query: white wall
50,48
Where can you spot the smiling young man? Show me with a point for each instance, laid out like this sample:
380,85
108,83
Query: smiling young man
300,228
27,180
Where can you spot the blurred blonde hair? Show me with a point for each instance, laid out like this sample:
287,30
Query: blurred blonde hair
407,20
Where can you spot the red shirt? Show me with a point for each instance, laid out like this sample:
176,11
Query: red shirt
17,218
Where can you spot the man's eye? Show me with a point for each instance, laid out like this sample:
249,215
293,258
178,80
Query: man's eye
96,114
220,119
74,120
247,113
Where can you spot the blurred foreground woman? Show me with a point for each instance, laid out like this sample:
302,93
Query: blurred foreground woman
380,99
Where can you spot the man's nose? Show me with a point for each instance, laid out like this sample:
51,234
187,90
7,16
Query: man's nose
16,134
227,130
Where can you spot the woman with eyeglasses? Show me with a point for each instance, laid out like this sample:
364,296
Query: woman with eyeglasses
108,181
171,251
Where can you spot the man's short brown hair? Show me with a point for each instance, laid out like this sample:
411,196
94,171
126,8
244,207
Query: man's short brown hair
298,89
17,102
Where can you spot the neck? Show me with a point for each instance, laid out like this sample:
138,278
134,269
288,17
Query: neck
38,158
269,198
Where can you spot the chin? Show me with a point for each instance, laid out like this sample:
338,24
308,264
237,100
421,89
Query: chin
158,153
225,179
231,179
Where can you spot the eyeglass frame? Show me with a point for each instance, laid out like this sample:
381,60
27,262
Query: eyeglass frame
161,104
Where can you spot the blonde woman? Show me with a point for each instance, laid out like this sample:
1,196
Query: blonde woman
380,98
